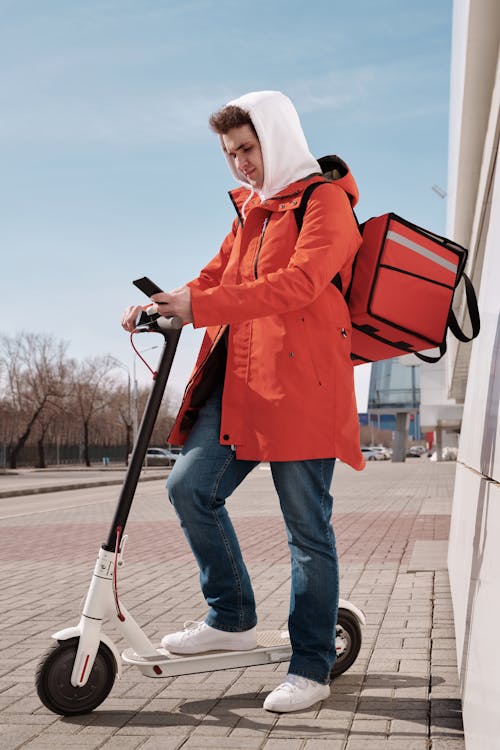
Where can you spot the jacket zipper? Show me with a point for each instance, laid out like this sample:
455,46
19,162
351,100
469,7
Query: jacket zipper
264,227
240,218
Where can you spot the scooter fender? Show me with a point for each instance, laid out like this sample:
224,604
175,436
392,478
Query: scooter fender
344,604
76,631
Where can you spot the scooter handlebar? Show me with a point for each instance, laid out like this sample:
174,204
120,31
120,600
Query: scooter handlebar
147,321
154,322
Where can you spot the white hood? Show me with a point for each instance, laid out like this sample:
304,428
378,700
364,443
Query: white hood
285,152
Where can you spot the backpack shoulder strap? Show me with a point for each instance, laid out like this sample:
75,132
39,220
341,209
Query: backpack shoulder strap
299,218
301,210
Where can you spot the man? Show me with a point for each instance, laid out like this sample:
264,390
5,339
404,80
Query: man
273,382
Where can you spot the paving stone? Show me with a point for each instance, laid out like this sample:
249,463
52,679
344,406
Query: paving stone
408,728
156,729
14,736
446,743
163,743
418,693
316,744
374,726
445,726
414,666
446,707
212,728
391,743
374,692
236,743
49,743
123,743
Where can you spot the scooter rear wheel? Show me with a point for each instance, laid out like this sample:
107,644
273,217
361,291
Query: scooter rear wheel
348,642
53,679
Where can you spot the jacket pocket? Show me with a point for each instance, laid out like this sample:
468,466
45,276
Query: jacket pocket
308,337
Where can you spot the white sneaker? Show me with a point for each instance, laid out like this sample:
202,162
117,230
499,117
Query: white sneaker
198,638
295,694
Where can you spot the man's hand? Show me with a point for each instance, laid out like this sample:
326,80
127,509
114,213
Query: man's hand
130,316
177,302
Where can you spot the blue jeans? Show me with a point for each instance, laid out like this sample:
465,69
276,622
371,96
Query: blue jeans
204,475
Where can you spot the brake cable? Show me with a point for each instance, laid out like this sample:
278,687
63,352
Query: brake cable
154,373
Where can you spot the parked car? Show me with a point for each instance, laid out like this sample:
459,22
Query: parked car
420,448
415,451
371,454
384,452
175,449
159,457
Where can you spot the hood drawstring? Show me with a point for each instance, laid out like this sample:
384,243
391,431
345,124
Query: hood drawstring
249,197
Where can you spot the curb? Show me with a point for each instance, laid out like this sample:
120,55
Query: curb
66,487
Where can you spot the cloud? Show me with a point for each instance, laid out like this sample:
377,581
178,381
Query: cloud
367,93
120,117
138,94
121,72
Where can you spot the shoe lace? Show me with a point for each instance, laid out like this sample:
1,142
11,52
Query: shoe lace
294,682
193,626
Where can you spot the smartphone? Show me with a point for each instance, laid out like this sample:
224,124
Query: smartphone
147,286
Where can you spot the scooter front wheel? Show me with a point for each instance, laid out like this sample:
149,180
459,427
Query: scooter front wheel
348,642
53,679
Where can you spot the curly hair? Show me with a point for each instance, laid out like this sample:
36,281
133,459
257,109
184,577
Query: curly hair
230,117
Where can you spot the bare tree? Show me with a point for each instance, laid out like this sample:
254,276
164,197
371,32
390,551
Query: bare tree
47,400
47,420
33,370
92,392
121,409
166,416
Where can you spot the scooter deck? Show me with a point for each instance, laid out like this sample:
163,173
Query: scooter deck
272,646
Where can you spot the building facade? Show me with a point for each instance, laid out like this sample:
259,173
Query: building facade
395,390
472,373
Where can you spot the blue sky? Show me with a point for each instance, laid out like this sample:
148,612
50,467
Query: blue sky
108,170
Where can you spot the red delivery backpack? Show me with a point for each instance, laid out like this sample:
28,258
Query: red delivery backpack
402,285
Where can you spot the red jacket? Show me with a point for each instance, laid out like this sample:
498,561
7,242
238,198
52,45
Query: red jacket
289,382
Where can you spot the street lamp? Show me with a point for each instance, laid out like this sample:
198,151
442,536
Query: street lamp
439,191
133,413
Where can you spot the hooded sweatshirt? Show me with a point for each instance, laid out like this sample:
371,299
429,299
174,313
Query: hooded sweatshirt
285,152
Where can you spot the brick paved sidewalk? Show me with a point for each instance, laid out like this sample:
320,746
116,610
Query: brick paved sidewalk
391,523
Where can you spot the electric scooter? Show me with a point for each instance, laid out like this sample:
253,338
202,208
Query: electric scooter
78,671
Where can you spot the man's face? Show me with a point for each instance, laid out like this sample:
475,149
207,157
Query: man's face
242,145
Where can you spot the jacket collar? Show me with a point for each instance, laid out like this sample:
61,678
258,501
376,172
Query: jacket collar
286,200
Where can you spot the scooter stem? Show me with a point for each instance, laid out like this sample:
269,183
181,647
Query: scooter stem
170,328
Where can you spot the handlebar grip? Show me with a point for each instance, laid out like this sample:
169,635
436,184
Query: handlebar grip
169,324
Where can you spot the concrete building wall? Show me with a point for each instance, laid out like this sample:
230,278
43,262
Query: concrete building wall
474,371
474,77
